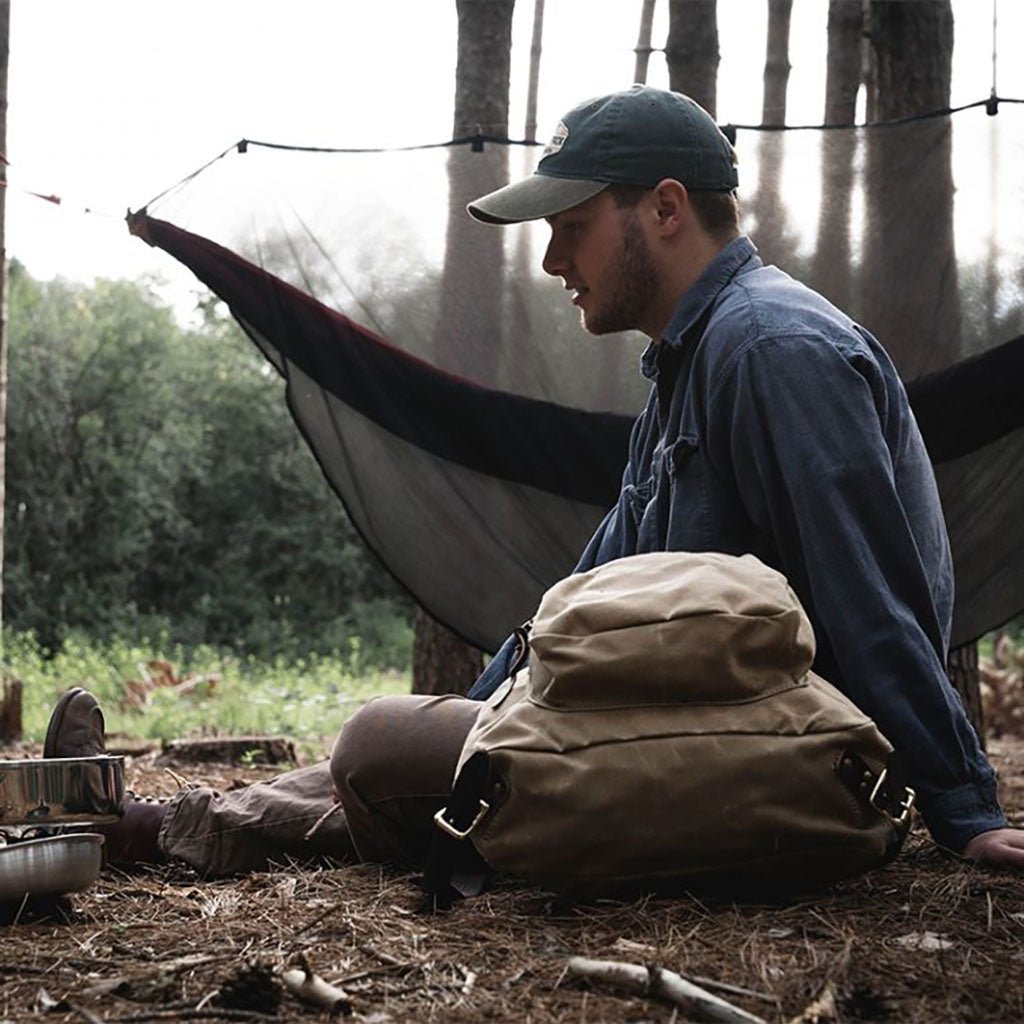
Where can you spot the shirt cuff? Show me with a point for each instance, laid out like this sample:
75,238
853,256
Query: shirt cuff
956,816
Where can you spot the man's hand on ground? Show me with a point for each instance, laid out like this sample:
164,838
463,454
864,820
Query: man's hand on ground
999,848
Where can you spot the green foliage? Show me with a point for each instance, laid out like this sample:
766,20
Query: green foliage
307,698
156,485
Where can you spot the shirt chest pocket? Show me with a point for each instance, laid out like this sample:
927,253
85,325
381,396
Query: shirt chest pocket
688,527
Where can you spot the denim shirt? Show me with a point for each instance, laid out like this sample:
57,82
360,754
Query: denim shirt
779,427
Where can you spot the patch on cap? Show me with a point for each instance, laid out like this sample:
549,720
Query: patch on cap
557,140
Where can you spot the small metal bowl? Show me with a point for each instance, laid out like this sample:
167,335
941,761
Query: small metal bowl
61,789
50,866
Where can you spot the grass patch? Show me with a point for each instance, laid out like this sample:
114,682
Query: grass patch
161,691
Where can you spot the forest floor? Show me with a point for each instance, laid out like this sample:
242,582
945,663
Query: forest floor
925,939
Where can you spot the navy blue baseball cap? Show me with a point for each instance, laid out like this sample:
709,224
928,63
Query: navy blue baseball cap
635,137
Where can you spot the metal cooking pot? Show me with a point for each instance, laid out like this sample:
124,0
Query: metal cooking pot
61,789
57,864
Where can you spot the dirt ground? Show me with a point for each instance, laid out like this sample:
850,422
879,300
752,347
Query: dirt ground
926,939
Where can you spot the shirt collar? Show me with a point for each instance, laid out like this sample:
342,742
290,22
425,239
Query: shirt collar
717,274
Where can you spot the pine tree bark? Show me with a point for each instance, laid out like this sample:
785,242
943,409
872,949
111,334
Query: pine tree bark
442,662
909,216
474,261
778,244
832,271
909,71
643,42
10,710
965,675
776,64
691,51
5,38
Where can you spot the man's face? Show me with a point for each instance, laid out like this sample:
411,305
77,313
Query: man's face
599,250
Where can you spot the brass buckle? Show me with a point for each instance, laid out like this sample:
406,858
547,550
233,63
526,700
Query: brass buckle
446,826
906,804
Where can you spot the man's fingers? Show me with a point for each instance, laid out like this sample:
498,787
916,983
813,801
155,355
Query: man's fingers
1000,848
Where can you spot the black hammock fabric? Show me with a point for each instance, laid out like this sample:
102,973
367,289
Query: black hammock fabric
476,436
339,372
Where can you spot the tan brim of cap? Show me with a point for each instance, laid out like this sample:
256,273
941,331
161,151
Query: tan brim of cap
533,198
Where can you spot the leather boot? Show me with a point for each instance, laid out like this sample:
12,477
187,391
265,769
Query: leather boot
76,729
76,726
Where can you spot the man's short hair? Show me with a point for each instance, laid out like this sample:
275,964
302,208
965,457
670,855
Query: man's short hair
717,212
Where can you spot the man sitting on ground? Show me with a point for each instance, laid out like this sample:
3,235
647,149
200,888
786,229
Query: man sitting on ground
776,426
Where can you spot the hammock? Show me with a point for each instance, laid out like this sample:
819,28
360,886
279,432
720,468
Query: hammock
476,436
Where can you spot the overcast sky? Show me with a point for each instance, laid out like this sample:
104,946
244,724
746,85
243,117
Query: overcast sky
112,101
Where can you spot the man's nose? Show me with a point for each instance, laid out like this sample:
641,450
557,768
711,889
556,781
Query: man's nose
555,261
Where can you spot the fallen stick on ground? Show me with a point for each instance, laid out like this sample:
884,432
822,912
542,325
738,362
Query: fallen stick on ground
311,988
722,986
656,981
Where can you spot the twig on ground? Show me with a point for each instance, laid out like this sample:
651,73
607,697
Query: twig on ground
656,981
316,826
722,986
321,916
369,972
311,988
208,1013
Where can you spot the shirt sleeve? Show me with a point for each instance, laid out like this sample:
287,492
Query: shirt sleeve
799,426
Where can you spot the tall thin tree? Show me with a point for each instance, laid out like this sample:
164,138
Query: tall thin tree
776,64
766,202
832,270
5,37
10,688
443,663
909,72
691,50
643,42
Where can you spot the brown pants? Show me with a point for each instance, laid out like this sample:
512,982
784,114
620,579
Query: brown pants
392,768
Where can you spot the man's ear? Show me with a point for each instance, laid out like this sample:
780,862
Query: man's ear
671,206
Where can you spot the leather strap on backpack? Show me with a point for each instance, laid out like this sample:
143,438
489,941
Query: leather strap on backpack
449,848
453,867
886,791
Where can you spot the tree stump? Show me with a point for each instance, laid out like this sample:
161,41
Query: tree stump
230,750
10,711
441,662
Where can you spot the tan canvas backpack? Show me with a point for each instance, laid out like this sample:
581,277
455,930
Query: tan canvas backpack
669,731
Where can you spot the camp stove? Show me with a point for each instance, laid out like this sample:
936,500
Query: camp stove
38,798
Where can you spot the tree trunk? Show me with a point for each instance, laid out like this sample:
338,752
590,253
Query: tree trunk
776,64
909,71
442,663
691,51
536,47
965,675
471,284
643,42
778,245
909,67
832,273
5,39
10,710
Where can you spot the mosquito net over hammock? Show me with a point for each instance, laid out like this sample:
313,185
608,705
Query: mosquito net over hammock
473,431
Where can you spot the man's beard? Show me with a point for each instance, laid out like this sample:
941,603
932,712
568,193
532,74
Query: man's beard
629,285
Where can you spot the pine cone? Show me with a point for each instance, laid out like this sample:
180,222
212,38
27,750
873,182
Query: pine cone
251,987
